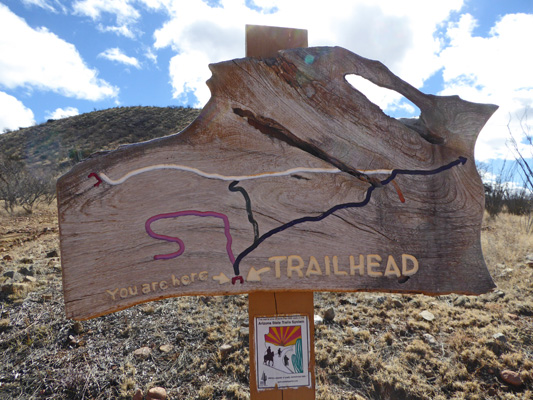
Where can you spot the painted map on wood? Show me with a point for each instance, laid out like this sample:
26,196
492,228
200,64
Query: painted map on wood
290,179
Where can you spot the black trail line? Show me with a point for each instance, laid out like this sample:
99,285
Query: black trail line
395,172
234,188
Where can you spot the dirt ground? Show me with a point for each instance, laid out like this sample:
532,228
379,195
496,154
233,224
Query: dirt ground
378,346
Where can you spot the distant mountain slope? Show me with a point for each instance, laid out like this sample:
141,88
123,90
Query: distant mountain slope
57,144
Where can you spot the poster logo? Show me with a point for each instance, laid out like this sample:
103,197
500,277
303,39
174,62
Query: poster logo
284,335
285,340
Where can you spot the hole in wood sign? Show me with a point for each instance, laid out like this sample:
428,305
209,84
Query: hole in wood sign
290,179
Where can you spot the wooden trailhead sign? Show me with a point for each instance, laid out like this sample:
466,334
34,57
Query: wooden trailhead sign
290,179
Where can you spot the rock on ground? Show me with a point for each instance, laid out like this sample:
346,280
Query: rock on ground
166,348
500,336
511,377
138,395
225,350
143,352
329,314
430,339
427,315
157,393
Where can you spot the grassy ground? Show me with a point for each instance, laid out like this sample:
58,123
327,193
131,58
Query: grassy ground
377,347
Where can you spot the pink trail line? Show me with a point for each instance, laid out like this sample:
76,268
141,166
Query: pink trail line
178,240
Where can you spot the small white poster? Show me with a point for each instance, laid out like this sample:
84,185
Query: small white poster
282,352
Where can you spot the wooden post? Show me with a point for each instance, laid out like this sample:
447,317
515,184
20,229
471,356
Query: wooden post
266,41
263,41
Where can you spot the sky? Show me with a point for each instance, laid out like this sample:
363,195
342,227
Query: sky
61,58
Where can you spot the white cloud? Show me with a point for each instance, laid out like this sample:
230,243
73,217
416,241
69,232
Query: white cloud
63,113
14,114
186,78
495,69
115,54
50,5
123,30
94,9
388,100
390,31
37,58
126,14
149,54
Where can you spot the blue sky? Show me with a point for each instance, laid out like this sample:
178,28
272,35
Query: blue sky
60,58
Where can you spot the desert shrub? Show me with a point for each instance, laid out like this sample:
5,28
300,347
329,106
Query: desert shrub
21,187
76,155
500,197
519,202
494,198
521,145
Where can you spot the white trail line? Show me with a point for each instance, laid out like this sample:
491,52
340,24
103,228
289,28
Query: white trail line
196,171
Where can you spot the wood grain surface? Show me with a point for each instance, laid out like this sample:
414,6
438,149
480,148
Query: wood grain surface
332,194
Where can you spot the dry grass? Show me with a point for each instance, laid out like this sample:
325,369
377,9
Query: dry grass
378,346
505,240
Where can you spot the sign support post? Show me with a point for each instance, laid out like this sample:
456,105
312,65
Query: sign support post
281,303
263,41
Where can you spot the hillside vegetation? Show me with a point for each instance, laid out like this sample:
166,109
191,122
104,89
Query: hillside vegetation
56,144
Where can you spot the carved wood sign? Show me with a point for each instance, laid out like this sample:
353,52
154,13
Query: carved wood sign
289,179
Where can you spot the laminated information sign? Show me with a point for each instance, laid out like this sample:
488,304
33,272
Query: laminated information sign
282,352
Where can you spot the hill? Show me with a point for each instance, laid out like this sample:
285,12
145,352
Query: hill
57,144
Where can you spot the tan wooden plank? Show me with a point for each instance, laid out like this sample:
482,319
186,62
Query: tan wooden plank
266,41
316,231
